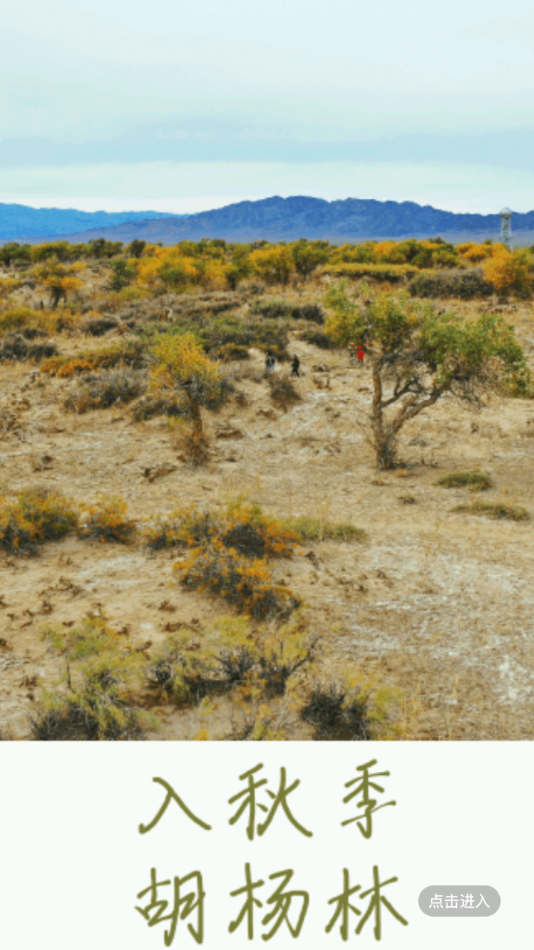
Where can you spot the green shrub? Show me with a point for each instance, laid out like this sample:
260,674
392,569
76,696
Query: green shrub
474,481
102,668
496,510
317,529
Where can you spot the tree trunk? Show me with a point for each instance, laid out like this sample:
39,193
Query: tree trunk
383,435
196,415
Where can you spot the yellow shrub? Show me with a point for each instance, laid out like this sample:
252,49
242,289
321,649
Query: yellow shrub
106,521
37,515
510,272
273,264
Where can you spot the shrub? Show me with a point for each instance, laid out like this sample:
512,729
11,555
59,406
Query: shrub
15,347
105,389
317,338
191,442
242,582
310,311
14,253
241,526
131,354
465,284
36,516
123,274
273,264
336,714
101,670
101,249
283,392
18,319
277,539
309,255
229,337
59,278
271,309
99,326
394,273
149,406
136,248
474,481
317,529
510,272
496,510
106,521
185,526
246,659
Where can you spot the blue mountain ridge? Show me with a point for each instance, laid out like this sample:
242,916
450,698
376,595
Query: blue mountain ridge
279,219
18,222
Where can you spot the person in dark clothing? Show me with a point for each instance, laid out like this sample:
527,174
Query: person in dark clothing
269,363
295,364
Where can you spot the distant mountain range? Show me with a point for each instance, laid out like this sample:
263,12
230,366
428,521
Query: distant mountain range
288,219
21,223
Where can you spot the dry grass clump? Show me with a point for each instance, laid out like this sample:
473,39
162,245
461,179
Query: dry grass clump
99,391
106,521
497,510
95,698
36,516
474,481
318,529
337,714
407,500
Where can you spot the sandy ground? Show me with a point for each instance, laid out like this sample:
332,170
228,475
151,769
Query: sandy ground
437,604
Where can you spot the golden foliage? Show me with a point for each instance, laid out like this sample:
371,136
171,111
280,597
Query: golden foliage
509,272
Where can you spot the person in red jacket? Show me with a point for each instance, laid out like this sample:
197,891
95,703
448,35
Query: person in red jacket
360,353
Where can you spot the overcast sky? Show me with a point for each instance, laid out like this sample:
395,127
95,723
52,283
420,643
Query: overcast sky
182,105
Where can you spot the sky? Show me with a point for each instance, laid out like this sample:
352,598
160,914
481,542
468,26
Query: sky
185,105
